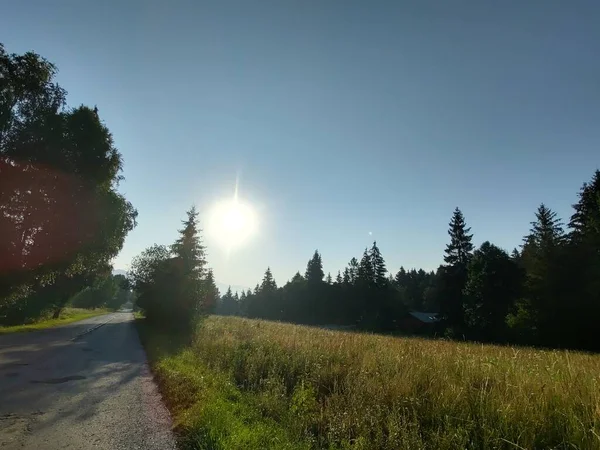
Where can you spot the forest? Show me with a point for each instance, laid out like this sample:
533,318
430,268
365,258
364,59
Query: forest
546,292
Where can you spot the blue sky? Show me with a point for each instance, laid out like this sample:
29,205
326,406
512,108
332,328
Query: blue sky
340,118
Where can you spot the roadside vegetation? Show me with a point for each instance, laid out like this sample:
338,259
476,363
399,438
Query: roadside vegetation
247,383
252,384
68,315
62,218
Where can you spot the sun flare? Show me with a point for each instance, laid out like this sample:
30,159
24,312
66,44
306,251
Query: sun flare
232,222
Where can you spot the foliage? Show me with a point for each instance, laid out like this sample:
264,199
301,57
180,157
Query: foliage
62,219
314,269
172,285
248,384
493,286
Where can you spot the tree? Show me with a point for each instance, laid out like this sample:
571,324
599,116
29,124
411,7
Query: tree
586,218
314,269
379,270
346,276
460,249
188,247
328,279
268,284
493,285
453,278
228,305
365,270
542,260
148,275
211,293
400,277
353,268
62,219
338,278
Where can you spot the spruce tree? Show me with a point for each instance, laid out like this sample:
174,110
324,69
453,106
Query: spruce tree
353,270
346,277
378,267
460,249
211,293
365,270
401,277
188,247
268,282
314,269
338,278
583,267
586,218
454,274
328,279
541,258
228,304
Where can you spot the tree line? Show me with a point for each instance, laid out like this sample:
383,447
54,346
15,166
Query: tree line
62,219
545,293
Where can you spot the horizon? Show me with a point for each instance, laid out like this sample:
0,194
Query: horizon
329,127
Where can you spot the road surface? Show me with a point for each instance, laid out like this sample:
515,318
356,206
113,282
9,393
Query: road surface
84,386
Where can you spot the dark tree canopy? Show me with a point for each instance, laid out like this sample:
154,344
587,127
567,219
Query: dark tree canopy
62,219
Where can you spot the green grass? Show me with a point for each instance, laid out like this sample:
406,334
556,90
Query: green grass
249,384
69,315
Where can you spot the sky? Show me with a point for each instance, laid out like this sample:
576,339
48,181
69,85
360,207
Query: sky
342,121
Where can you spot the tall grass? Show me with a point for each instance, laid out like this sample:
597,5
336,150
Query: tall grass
250,384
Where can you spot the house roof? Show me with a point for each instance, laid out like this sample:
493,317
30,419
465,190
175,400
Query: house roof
424,316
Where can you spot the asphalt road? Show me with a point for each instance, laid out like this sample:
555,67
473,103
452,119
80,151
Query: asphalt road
81,386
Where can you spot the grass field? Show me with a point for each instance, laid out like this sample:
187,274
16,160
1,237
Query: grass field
250,384
69,315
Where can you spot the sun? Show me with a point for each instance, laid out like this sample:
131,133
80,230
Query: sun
231,223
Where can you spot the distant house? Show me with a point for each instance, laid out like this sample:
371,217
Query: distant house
417,322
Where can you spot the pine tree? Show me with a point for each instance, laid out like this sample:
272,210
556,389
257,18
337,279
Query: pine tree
460,249
454,275
346,277
379,270
546,231
401,277
365,270
541,257
582,277
328,279
211,293
268,283
188,247
353,270
338,278
586,218
314,269
297,278
228,304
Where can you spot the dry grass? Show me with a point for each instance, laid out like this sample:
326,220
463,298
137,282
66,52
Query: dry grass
247,384
69,315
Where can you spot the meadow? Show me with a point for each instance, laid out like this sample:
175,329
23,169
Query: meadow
252,384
